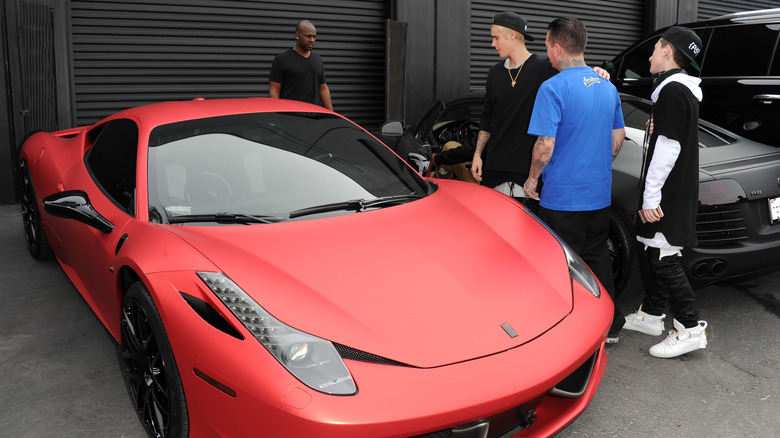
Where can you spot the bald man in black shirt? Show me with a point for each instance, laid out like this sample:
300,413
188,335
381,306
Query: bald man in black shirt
299,73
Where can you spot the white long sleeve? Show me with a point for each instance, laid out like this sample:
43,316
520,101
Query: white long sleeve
664,157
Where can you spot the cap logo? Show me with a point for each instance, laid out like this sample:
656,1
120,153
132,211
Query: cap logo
694,48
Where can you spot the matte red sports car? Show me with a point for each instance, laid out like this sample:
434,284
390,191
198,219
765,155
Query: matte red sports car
270,268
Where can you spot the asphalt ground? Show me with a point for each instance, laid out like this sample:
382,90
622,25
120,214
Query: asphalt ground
59,375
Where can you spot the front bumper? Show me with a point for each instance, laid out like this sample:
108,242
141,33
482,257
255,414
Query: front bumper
392,401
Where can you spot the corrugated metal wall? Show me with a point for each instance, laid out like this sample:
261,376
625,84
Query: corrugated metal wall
612,26
36,47
713,8
127,53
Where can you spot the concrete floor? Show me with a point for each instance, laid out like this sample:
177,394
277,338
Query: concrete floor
59,375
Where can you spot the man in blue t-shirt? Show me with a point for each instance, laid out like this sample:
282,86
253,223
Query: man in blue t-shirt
299,73
579,121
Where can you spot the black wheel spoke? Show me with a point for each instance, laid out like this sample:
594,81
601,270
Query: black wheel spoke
160,412
35,237
28,210
129,332
149,368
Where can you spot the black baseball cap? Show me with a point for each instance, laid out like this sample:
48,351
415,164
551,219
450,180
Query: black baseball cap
684,40
514,22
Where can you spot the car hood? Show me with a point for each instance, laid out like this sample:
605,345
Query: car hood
715,162
427,283
740,153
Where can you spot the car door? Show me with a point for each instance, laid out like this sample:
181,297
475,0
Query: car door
108,178
740,92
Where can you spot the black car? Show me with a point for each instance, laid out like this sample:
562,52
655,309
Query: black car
738,222
740,72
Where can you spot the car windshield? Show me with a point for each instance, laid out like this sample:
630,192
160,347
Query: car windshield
267,165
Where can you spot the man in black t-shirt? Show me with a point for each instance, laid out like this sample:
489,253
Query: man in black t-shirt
299,73
510,92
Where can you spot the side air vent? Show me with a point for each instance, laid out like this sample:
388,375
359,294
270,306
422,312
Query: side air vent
211,316
361,356
720,224
743,163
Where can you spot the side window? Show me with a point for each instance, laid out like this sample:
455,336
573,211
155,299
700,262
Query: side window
636,63
741,50
775,69
112,159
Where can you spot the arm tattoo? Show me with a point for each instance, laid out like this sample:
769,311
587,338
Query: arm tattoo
616,148
482,140
618,136
543,150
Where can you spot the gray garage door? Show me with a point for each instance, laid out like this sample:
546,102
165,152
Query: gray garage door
130,52
612,26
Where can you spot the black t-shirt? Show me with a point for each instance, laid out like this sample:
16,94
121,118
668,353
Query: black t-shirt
676,116
300,77
507,113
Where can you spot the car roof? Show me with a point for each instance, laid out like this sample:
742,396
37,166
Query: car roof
745,17
163,113
758,16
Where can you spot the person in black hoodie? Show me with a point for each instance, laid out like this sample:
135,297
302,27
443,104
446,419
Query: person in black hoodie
667,215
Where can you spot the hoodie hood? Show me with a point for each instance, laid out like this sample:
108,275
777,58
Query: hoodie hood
689,81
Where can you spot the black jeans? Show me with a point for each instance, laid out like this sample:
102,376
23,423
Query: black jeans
665,283
586,233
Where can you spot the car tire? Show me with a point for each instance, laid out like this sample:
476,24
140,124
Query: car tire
35,236
148,367
622,250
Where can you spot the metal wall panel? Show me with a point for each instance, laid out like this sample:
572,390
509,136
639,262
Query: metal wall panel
396,70
612,26
132,52
36,45
713,8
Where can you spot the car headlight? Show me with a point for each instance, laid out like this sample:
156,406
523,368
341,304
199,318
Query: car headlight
312,360
578,270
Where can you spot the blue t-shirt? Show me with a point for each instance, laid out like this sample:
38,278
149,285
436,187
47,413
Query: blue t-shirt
580,110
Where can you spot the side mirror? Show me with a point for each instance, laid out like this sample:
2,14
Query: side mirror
74,204
393,128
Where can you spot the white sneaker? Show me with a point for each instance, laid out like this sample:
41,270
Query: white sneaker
681,340
642,322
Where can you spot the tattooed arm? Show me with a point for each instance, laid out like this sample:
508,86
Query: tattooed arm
618,135
543,150
476,162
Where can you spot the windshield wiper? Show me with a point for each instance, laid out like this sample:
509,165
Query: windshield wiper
225,218
356,204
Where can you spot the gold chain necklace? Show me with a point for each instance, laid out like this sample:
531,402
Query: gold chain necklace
514,80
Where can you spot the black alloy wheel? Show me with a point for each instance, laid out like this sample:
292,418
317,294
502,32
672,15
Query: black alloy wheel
622,246
149,368
37,243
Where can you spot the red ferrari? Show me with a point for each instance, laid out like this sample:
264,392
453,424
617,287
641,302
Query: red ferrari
269,268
